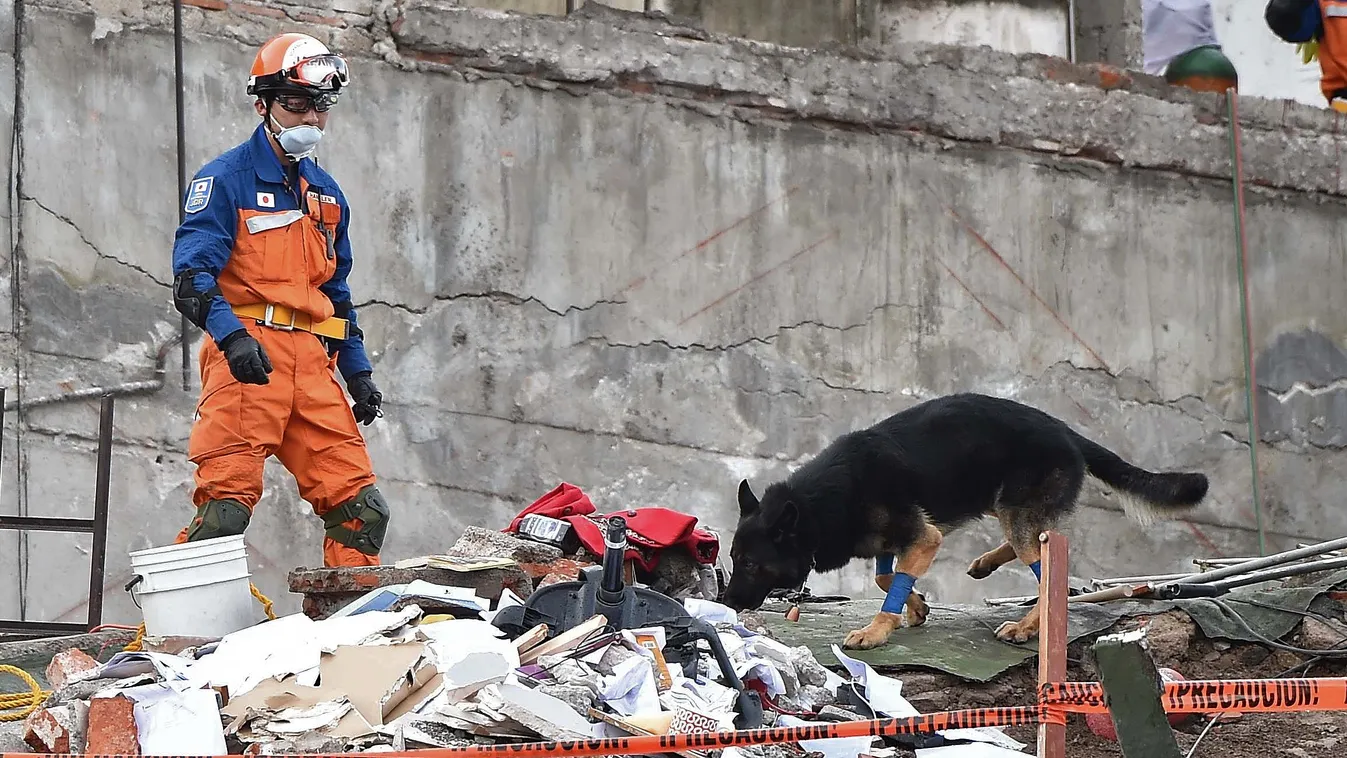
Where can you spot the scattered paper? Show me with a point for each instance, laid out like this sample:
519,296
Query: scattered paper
840,747
711,612
172,722
631,689
974,750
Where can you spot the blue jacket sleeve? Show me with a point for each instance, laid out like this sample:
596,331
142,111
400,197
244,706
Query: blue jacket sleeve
1294,21
203,244
351,356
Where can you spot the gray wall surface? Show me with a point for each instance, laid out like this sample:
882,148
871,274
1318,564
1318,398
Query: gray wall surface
651,263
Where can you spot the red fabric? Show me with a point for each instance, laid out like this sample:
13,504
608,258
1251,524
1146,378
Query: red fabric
649,530
564,500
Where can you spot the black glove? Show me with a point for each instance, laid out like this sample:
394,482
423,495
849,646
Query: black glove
367,398
248,362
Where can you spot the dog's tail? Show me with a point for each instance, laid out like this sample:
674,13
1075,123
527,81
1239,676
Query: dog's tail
1145,495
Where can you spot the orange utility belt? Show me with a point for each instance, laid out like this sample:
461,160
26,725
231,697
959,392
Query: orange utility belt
286,319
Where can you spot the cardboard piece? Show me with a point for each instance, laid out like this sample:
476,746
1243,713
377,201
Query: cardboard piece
360,688
379,678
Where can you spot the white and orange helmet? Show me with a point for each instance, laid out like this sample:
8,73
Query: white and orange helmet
297,63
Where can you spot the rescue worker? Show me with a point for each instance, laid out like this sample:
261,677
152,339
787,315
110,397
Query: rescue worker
260,263
1321,27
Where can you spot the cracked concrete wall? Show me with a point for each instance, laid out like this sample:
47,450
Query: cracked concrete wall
651,260
1011,26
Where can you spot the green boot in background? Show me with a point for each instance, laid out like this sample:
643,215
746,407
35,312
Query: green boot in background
1204,68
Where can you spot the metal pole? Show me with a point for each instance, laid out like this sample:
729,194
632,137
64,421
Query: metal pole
1251,381
1071,30
2,443
98,556
182,169
1271,560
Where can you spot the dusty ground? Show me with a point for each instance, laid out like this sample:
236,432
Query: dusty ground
1175,643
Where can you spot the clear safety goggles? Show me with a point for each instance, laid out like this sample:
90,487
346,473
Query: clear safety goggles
302,103
322,71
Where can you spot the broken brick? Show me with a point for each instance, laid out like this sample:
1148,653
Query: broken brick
112,727
553,578
56,730
66,664
310,18
565,567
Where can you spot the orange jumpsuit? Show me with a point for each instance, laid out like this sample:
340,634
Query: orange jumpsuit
1299,21
1333,48
249,233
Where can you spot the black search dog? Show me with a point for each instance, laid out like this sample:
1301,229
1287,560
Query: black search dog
898,487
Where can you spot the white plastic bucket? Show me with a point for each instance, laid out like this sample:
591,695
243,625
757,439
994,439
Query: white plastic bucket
195,589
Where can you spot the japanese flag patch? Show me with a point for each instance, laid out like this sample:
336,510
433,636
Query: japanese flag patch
198,195
266,200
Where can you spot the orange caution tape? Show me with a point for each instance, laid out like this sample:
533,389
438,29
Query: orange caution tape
665,743
1056,700
1212,695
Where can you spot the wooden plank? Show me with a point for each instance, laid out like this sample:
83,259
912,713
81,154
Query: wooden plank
1132,686
1052,636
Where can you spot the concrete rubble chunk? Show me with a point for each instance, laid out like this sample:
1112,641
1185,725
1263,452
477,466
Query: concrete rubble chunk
1317,635
486,543
577,697
112,727
66,664
809,670
75,691
1168,636
57,730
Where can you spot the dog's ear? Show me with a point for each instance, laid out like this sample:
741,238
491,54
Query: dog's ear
748,502
784,520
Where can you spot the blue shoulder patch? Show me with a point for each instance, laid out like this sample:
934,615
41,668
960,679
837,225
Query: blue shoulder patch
198,194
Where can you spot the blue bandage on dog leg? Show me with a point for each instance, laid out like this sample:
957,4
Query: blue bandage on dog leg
898,592
1037,568
883,565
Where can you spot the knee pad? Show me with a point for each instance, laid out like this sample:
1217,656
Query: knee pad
370,507
218,518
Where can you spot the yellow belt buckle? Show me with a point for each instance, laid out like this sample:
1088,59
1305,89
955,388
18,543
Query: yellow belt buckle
269,315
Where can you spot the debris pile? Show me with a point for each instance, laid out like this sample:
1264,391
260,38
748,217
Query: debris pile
564,625
374,680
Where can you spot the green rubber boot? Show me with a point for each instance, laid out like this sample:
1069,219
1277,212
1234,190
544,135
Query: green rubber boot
1204,68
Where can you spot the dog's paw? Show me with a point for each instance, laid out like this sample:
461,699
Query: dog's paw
979,570
916,612
867,637
1013,631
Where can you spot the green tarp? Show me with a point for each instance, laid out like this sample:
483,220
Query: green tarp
960,640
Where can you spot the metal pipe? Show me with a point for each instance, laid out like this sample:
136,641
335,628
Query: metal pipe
1220,562
182,168
125,388
1071,30
1139,579
99,554
1251,380
1295,569
1288,556
614,555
